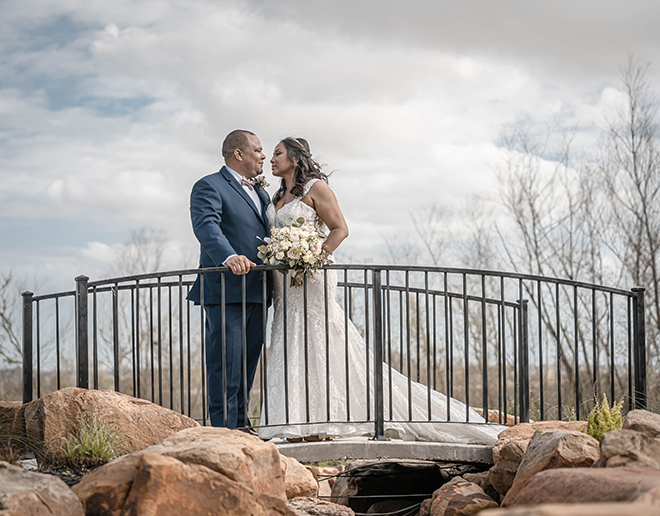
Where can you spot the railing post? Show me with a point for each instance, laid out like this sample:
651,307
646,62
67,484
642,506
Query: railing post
82,344
639,347
379,400
523,361
27,346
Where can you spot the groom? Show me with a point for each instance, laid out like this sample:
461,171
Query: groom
228,217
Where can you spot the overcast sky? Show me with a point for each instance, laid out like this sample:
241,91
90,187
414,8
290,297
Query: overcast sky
111,110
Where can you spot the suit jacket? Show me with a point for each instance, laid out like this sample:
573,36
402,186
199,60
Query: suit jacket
225,222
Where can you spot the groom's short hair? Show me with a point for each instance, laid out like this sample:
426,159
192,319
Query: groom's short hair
237,139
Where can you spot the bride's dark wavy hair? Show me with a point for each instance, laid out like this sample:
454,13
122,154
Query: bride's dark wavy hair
306,167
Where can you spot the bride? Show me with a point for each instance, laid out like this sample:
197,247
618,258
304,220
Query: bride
306,396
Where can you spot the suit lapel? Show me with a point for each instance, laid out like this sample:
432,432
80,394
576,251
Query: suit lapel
259,212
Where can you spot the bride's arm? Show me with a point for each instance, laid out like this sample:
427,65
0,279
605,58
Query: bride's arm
323,200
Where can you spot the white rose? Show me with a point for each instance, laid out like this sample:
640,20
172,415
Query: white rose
279,255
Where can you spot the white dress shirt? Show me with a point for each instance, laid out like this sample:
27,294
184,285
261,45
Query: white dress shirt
251,193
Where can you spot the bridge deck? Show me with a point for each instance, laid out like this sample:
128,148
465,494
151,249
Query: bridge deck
366,448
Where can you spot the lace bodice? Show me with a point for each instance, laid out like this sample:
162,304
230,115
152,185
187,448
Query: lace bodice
295,209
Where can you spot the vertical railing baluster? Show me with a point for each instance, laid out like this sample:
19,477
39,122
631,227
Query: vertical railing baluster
57,342
95,342
285,309
630,353
540,330
484,350
466,350
181,350
379,415
639,349
447,300
524,361
576,338
170,342
612,347
558,323
306,347
133,343
38,323
366,335
346,356
160,341
594,346
138,340
82,343
408,354
27,346
115,334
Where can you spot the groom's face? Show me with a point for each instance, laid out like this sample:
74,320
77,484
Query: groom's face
253,157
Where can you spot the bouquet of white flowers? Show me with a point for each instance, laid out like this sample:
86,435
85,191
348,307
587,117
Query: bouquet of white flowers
298,245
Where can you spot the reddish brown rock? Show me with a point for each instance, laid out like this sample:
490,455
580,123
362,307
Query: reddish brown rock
51,419
523,433
164,486
458,497
302,506
495,416
483,481
643,421
583,509
298,480
551,449
501,475
585,485
24,493
235,454
104,490
628,448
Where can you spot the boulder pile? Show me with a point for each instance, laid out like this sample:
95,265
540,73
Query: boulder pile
175,467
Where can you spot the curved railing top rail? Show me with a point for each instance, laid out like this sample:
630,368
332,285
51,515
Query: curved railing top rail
397,268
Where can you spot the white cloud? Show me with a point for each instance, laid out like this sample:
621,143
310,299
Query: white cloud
112,119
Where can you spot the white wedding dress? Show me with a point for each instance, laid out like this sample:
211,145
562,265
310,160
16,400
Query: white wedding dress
334,416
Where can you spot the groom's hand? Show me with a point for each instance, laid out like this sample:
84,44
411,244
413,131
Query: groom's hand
240,264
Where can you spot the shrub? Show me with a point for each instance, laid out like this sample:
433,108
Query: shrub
93,442
603,419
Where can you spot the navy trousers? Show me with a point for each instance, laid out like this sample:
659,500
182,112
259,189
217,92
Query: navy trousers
231,365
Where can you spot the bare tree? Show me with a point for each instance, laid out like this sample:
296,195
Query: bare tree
630,169
10,343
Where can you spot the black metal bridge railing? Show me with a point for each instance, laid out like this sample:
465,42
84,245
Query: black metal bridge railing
518,344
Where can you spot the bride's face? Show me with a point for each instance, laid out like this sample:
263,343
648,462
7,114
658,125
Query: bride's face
280,162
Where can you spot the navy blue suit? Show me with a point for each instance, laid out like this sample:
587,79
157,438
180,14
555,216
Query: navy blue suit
225,222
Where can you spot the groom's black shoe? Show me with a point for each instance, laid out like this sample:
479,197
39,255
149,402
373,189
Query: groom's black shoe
251,431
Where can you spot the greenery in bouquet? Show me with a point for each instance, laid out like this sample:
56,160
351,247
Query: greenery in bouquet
298,245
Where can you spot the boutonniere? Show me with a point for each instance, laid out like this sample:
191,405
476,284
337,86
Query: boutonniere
261,182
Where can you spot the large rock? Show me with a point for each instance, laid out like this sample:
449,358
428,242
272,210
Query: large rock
523,433
50,420
298,480
643,421
483,481
585,485
459,497
551,449
24,493
104,490
302,506
237,455
164,486
583,509
502,474
628,448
